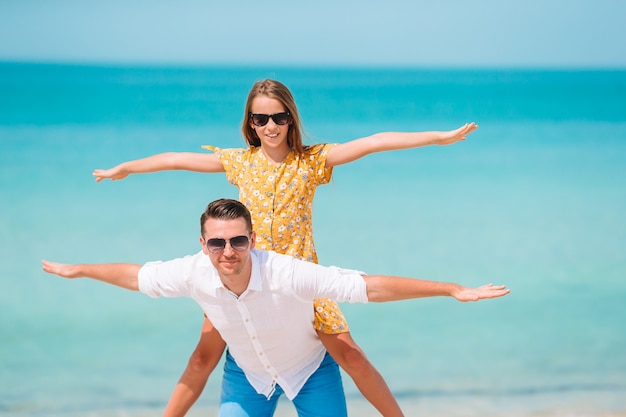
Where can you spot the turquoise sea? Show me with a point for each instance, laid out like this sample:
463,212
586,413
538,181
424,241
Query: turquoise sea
535,199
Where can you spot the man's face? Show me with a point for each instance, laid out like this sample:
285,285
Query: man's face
230,263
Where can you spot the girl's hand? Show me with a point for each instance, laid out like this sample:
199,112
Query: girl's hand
457,135
112,174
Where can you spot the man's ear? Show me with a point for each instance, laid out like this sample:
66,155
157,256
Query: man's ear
252,240
202,243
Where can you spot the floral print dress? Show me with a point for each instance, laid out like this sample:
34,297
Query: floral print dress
280,200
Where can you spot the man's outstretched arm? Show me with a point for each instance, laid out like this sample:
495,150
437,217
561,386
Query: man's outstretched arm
381,288
201,364
121,275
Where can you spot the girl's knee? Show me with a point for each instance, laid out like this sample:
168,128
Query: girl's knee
354,358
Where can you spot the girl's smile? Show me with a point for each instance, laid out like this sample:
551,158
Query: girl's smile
273,136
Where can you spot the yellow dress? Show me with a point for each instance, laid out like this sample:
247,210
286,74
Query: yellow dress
280,200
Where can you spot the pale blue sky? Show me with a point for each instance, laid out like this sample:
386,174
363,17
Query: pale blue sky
494,33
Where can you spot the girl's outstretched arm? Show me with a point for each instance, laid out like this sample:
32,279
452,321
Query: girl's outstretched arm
188,161
390,141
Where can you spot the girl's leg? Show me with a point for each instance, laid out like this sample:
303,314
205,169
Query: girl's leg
322,395
367,379
239,399
333,331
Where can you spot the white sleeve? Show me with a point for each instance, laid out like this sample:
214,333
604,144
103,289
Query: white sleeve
312,281
165,279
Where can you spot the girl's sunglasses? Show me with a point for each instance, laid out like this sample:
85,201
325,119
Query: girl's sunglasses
238,243
259,119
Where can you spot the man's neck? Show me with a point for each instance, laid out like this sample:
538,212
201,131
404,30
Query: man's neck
238,283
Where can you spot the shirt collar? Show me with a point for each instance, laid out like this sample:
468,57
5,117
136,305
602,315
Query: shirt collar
212,281
256,280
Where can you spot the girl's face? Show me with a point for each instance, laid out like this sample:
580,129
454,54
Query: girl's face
273,136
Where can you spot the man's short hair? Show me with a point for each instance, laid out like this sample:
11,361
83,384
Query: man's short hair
226,209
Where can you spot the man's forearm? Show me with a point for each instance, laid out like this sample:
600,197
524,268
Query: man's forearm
381,288
121,275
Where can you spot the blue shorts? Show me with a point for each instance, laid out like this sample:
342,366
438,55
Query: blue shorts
321,396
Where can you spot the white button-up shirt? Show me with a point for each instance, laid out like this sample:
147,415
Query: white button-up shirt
269,327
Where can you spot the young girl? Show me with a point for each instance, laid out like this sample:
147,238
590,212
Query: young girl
277,177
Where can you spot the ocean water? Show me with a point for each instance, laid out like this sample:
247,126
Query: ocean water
534,199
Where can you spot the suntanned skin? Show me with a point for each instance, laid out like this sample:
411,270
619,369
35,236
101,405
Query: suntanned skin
234,269
275,147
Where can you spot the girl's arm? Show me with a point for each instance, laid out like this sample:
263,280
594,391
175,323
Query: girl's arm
189,161
390,141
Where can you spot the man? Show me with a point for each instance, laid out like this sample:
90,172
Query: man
261,304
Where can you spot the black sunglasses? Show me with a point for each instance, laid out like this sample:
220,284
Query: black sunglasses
259,119
238,243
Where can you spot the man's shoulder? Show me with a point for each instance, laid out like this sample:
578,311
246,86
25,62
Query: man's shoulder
269,256
272,262
274,265
197,260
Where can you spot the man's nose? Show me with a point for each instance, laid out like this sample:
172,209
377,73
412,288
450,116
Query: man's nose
228,249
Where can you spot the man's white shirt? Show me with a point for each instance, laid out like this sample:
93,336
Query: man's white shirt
269,327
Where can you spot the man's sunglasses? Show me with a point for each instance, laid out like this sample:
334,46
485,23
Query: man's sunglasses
259,119
238,243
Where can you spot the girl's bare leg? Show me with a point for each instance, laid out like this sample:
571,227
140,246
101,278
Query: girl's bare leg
368,380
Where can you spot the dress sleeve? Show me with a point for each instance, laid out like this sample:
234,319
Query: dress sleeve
232,159
317,155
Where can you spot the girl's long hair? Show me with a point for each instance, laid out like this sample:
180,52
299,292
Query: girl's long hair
278,91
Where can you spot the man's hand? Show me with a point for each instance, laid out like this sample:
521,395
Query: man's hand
115,173
63,270
465,294
119,274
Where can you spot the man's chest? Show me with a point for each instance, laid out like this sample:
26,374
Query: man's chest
264,315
